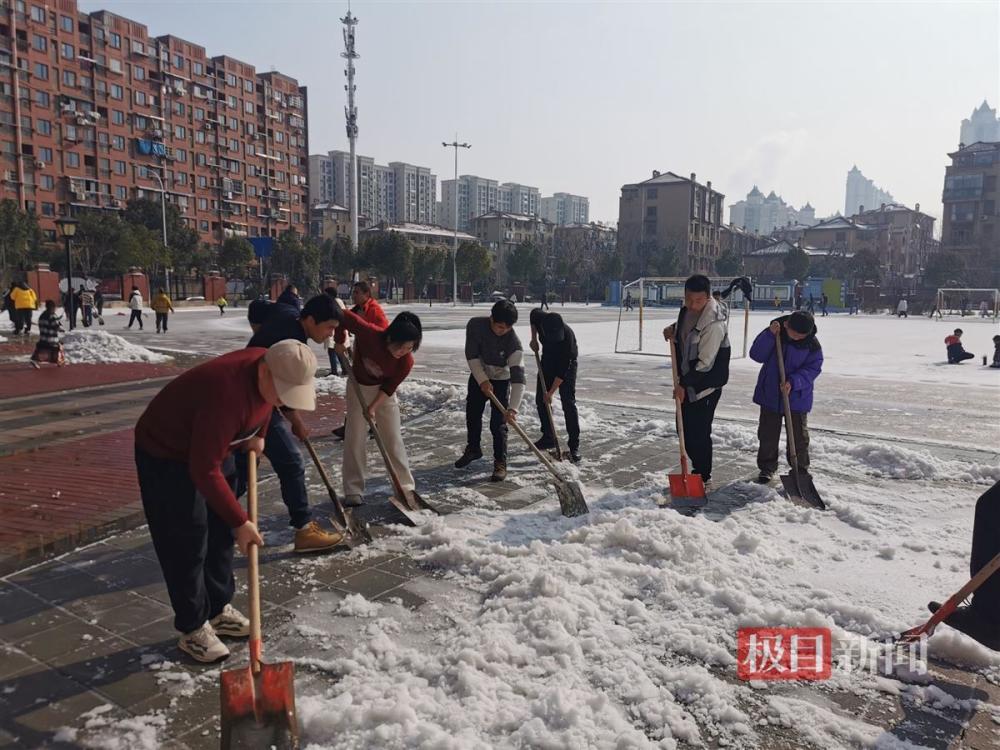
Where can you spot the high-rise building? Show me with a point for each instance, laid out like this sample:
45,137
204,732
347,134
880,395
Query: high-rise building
862,193
762,215
982,126
904,240
519,199
394,193
971,215
669,215
99,104
566,208
476,196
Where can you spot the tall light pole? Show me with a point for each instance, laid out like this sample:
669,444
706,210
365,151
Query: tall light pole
351,113
454,243
67,227
163,213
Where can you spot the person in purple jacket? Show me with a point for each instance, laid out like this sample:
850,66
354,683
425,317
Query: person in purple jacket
803,363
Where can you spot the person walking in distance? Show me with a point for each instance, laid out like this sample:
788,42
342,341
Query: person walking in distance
25,303
99,305
86,298
824,302
495,359
184,446
902,308
135,305
703,353
222,303
162,307
803,360
48,348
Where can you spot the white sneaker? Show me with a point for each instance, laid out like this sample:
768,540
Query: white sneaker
230,623
203,645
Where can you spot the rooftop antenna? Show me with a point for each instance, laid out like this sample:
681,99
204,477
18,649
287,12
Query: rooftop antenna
351,114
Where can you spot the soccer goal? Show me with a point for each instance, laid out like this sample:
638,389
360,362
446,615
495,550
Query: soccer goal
979,303
651,303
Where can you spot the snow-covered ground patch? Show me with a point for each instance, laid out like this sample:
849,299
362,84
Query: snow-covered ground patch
83,346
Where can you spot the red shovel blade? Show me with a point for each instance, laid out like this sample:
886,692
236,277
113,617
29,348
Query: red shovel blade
266,700
686,486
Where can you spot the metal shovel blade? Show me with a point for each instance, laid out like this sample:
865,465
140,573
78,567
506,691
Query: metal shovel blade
418,503
686,487
571,500
259,710
800,489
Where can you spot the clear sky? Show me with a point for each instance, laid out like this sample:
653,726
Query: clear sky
585,97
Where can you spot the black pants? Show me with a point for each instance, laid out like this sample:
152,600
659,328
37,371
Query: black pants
697,417
567,394
474,403
161,322
954,359
333,361
135,316
281,448
986,546
194,546
769,435
24,315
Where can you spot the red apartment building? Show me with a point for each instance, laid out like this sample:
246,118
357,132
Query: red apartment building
90,104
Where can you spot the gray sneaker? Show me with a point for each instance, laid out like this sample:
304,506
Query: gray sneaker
203,645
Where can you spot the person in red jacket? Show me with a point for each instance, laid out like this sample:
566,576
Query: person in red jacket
382,360
183,455
368,308
956,352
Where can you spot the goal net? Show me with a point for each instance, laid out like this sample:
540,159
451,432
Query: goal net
651,303
964,302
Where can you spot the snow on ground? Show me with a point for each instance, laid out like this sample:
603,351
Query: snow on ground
618,629
92,346
869,346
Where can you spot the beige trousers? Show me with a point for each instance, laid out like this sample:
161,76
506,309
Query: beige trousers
356,440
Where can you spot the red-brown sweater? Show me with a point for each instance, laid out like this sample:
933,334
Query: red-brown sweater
200,416
373,363
371,311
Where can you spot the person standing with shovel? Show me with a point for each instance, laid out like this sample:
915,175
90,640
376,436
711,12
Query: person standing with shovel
557,373
803,360
703,354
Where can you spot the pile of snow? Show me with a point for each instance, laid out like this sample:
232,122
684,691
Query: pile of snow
618,629
102,730
102,347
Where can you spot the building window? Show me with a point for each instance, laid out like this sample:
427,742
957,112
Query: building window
248,108
230,79
651,192
119,167
45,155
140,97
37,14
118,142
138,73
178,62
117,92
69,78
44,127
39,42
202,204
42,71
199,113
650,212
179,108
122,192
202,181
179,131
115,40
248,86
68,53
960,212
72,159
42,98
47,182
48,209
181,155
117,117
197,68
67,23
203,225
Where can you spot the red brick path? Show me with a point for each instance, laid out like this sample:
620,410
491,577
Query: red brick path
20,379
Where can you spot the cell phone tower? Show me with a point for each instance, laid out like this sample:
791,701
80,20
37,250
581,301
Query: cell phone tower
351,113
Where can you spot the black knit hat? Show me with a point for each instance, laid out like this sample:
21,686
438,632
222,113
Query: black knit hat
801,322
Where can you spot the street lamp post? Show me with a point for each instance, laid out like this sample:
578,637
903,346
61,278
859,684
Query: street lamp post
67,227
454,244
163,211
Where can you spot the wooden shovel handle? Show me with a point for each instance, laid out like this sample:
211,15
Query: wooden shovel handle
677,405
520,431
789,433
253,570
548,406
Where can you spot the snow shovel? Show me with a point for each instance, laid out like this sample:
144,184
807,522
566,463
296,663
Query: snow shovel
927,629
683,486
570,494
354,532
548,408
258,701
398,497
798,487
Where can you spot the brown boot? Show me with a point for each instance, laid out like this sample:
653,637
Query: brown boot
499,471
312,538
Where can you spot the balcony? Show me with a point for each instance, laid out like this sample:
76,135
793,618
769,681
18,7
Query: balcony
962,194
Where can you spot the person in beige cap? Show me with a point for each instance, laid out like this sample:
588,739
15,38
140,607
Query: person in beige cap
184,446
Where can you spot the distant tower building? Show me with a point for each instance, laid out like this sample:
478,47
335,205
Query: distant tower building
982,127
761,215
862,192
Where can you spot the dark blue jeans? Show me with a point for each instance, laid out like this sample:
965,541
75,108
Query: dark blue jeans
475,402
282,449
